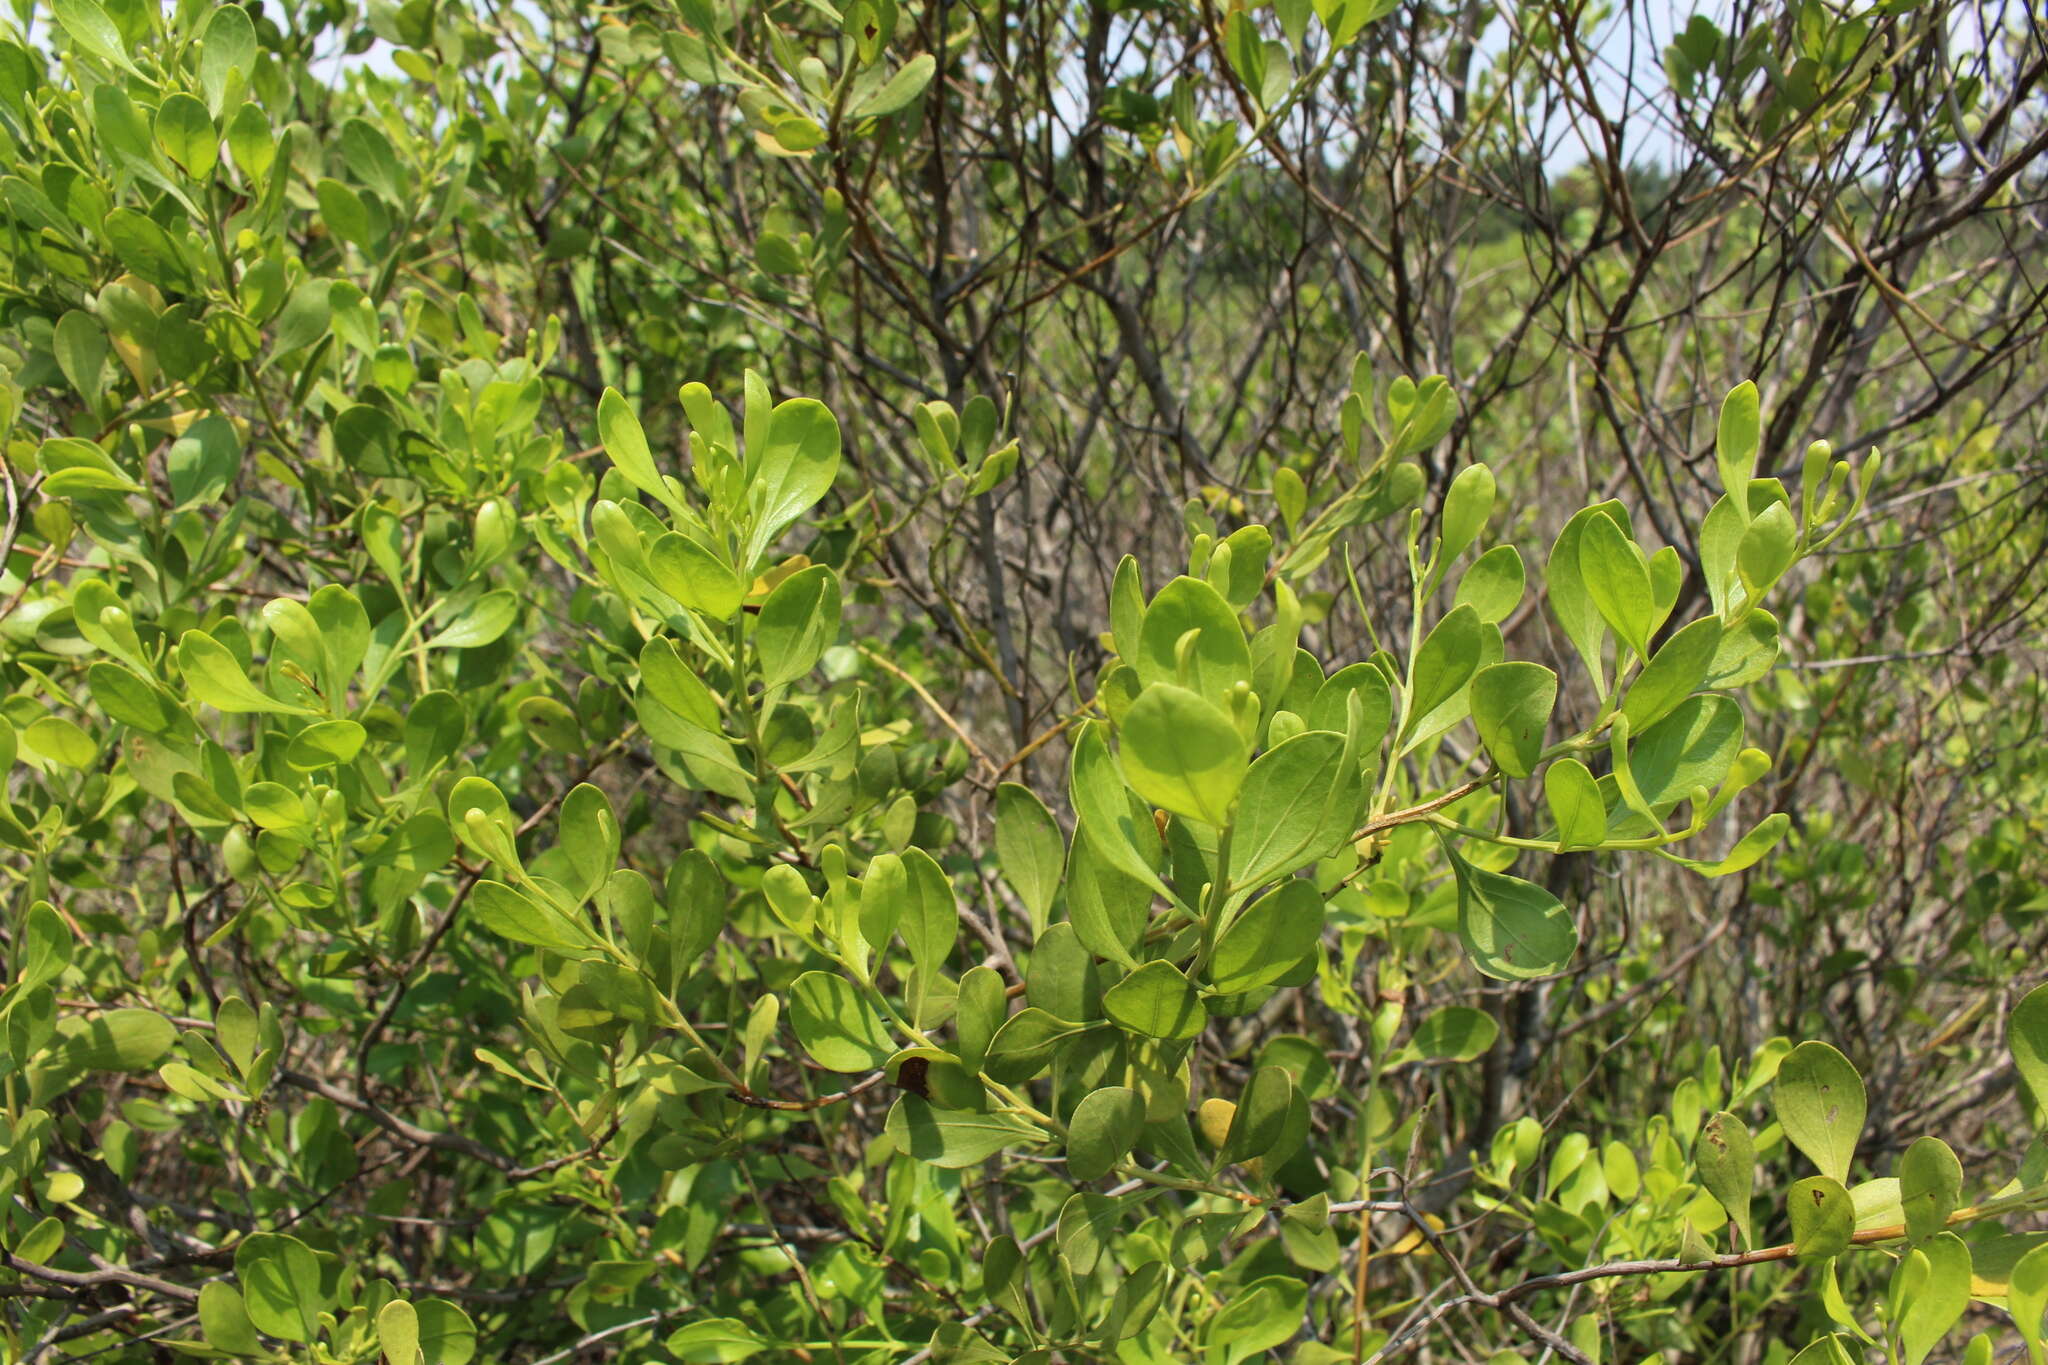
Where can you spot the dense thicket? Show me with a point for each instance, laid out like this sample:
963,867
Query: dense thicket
1329,681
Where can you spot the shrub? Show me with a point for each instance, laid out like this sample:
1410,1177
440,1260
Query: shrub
482,893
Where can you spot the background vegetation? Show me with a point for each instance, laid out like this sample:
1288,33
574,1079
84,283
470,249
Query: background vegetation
991,681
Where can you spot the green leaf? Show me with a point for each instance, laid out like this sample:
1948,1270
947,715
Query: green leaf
1768,548
930,921
1157,1002
1258,1317
1617,579
294,631
835,1025
1444,663
695,895
1135,1302
1719,539
343,635
237,1029
118,1040
1726,1159
1107,909
48,949
618,427
344,212
1087,1227
1737,442
665,678
83,481
1511,706
1346,19
186,133
434,727
1493,586
203,461
1290,495
899,90
789,896
2026,1297
480,816
1061,978
1127,609
123,134
799,621
1182,754
1667,576
146,249
281,1286
1218,658
131,701
1834,1305
1030,851
228,43
1693,747
588,836
325,744
60,741
1105,1125
1995,1258
1024,1045
978,1014
1308,1238
398,1333
883,889
87,25
1456,1033
1930,1292
1930,1187
306,315
73,467
1332,705
1823,1219
1259,1122
1820,1104
695,577
715,1341
1513,930
224,1320
1746,653
2027,1037
952,1138
794,466
201,800
1426,726
1245,50
372,160
1103,810
1570,600
1572,795
81,346
1268,940
798,135
777,255
1237,566
1468,506
552,725
1677,669
276,806
214,676
512,915
480,623
1299,802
